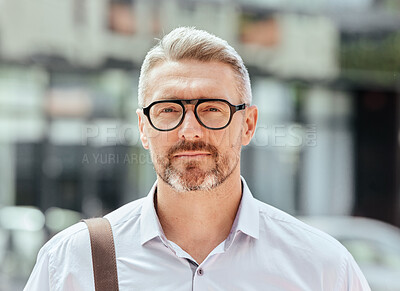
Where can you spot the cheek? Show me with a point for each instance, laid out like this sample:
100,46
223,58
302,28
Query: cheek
226,138
160,142
157,137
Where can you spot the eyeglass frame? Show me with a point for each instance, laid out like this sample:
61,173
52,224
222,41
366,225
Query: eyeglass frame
196,102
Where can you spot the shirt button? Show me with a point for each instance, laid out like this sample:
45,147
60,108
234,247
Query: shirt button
200,272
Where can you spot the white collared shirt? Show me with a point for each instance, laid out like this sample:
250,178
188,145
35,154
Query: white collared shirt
266,249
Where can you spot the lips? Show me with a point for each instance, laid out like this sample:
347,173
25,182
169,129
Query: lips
191,154
192,150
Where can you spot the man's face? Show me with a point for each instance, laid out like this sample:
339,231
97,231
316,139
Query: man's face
192,157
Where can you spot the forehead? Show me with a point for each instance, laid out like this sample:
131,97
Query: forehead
191,79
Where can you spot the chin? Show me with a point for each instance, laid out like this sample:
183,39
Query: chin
189,182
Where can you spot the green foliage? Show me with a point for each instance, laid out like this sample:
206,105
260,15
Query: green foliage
369,54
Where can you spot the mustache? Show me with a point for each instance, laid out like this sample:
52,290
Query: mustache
192,146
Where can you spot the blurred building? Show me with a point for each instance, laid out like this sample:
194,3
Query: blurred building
325,78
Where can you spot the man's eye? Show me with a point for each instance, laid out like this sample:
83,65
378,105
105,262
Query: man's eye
212,109
168,110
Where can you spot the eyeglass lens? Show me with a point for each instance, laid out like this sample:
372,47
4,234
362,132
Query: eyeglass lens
213,114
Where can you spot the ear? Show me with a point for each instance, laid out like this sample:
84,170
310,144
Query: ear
141,121
249,126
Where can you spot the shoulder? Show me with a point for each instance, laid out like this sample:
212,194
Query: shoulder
299,235
76,234
65,260
128,212
305,247
307,250
76,237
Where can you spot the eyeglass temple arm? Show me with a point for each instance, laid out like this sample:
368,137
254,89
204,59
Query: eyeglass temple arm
239,107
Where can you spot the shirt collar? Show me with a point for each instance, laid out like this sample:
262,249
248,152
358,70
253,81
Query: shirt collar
247,217
246,221
150,226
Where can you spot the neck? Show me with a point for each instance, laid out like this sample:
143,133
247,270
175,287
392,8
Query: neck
197,216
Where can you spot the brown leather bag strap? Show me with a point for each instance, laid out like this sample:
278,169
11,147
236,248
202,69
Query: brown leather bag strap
103,254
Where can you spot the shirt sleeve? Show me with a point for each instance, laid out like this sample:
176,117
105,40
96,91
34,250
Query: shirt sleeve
64,263
353,279
39,279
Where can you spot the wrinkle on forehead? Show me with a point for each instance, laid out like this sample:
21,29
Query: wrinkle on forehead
189,89
192,80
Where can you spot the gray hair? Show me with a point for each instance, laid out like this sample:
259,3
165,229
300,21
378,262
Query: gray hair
188,43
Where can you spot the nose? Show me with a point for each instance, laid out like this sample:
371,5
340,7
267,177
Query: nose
190,128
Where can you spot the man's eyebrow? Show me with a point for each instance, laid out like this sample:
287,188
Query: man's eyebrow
177,98
167,98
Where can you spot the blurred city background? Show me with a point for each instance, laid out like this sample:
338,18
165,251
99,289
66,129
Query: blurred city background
325,77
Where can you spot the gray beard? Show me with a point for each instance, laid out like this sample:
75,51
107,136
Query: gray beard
192,178
195,179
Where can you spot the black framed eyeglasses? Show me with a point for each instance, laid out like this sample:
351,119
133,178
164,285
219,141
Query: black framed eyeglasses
215,114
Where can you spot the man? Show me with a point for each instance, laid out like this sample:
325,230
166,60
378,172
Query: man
199,228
